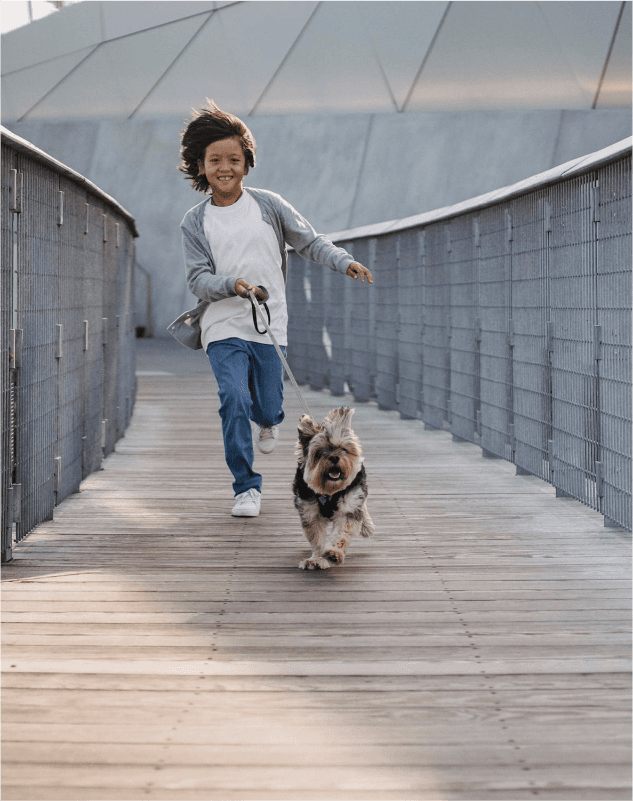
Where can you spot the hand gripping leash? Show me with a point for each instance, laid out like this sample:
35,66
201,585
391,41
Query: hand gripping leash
256,306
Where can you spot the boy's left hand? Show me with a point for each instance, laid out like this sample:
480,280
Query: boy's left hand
356,270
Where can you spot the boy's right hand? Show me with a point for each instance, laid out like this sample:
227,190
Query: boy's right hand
242,288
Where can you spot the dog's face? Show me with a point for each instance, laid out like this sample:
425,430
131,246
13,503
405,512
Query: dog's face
329,453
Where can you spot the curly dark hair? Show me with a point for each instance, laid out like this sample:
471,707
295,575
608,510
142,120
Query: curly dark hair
207,125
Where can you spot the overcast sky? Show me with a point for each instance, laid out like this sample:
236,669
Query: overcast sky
14,13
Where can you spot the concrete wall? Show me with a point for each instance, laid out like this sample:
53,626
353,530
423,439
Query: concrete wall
340,171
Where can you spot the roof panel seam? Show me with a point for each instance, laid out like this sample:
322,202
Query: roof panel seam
426,57
59,83
285,58
180,54
608,58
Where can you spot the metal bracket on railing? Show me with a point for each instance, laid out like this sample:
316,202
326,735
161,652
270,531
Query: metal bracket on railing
57,474
599,480
422,243
86,326
13,513
14,505
104,332
87,224
547,216
510,333
597,342
60,341
595,205
550,336
16,188
512,437
16,340
477,233
60,208
509,226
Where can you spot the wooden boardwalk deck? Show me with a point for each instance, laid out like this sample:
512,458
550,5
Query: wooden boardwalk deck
157,648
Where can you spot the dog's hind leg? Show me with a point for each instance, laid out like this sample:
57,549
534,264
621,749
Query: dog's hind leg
367,524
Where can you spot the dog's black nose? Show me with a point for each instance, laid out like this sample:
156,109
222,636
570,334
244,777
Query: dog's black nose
334,459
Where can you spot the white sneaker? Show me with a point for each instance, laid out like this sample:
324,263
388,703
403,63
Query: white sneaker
248,503
267,439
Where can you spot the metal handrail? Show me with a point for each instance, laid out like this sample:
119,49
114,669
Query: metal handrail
67,355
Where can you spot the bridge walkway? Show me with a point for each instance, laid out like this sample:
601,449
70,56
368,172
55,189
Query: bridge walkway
154,647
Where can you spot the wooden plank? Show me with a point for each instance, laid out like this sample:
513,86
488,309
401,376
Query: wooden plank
267,754
281,640
153,793
300,699
223,665
159,794
320,685
404,778
258,731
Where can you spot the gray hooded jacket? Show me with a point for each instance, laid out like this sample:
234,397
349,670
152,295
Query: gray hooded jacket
289,226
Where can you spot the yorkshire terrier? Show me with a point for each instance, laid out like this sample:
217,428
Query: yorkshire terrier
330,487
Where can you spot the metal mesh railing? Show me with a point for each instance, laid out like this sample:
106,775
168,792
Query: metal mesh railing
505,321
68,379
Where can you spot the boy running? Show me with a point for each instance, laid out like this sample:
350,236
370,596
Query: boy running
234,241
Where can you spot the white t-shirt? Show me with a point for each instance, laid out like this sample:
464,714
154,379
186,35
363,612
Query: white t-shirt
244,246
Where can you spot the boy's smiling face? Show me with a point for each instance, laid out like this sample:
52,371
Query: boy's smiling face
224,167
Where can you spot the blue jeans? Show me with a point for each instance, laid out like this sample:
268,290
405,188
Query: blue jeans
250,381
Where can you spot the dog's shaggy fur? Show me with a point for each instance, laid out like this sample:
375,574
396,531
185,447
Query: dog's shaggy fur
330,487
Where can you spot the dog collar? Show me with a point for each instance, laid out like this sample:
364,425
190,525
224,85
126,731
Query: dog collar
323,499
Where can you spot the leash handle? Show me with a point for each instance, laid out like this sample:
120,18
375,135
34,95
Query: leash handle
265,305
265,297
256,306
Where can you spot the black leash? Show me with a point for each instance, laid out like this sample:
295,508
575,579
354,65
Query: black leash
264,304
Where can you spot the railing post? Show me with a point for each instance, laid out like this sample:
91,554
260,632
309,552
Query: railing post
421,241
478,330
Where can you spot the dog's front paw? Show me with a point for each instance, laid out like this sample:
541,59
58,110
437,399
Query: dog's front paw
315,563
334,556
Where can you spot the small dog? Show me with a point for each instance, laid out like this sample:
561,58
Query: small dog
330,487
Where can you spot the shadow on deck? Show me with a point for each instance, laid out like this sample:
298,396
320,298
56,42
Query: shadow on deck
157,648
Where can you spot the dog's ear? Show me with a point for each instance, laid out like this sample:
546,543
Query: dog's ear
341,417
307,428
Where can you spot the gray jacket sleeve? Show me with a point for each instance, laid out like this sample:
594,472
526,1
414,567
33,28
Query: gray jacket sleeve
300,235
201,280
